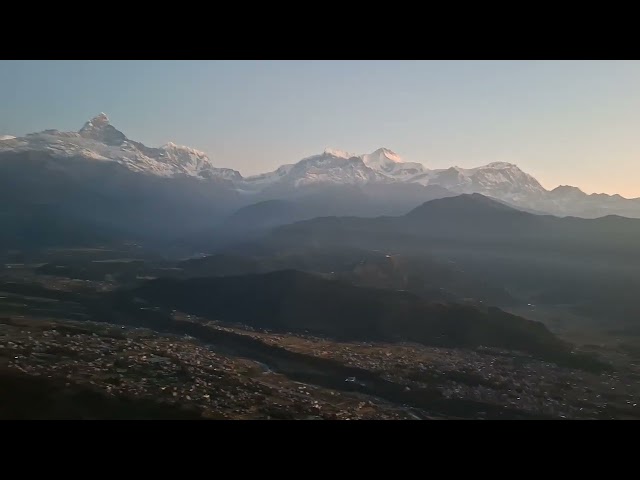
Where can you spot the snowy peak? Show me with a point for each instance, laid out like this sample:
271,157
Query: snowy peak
388,155
194,163
501,165
335,152
98,140
6,137
185,157
390,164
99,121
335,166
181,150
331,167
95,126
99,129
383,158
501,180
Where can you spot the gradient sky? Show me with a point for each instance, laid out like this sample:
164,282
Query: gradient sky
565,122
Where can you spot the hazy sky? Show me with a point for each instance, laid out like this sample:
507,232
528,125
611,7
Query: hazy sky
565,122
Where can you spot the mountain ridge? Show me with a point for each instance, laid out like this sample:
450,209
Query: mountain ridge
99,140
469,222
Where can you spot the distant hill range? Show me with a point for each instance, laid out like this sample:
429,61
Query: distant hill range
590,265
472,221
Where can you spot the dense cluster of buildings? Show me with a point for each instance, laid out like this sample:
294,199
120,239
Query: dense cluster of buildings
509,379
140,363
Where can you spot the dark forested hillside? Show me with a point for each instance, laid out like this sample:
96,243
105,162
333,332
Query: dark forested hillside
297,301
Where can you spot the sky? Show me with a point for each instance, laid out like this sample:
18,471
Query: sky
564,122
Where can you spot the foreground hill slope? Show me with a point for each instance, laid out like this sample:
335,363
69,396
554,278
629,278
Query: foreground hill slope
295,301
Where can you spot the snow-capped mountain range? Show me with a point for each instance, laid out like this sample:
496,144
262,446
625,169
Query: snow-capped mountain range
99,141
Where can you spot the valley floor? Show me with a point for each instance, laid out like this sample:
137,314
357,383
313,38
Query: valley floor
120,367
358,381
173,370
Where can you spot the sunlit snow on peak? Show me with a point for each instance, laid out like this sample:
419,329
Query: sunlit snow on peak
338,153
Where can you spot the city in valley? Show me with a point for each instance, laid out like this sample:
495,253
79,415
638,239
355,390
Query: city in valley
88,361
